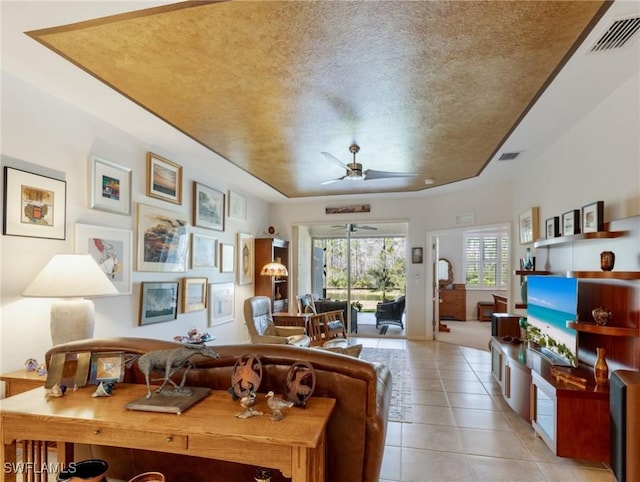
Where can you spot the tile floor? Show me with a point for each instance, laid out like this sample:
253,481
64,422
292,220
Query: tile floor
462,430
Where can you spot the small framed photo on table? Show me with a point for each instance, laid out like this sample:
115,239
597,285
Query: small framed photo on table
107,367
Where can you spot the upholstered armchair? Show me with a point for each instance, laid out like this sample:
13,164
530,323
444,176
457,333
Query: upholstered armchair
262,329
390,312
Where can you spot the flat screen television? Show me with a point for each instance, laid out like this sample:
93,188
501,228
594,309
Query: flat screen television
551,302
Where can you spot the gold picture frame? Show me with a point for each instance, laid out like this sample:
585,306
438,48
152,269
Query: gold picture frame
529,225
194,294
164,179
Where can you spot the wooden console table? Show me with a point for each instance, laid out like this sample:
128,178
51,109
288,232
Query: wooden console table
294,445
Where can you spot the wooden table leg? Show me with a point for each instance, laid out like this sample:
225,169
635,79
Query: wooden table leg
308,463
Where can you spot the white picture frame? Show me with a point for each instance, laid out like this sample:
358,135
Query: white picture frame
204,251
167,232
110,186
112,249
221,303
226,258
237,206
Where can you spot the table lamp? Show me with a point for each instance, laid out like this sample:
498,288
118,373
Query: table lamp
73,277
277,270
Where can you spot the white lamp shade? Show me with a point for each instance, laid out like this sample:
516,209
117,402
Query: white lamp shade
70,276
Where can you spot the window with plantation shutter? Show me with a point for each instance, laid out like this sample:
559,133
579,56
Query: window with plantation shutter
486,258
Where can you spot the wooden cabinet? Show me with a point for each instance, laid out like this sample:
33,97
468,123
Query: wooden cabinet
573,422
509,368
267,250
453,305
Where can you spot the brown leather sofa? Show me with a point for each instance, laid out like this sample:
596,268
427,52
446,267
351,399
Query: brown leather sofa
355,433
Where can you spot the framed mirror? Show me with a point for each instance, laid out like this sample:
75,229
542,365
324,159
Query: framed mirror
445,272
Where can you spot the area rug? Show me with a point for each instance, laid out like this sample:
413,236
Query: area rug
401,394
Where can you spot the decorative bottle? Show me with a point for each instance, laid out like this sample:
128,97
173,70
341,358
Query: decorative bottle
600,368
528,262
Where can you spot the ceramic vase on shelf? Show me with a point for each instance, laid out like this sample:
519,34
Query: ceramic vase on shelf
607,260
600,368
262,475
528,261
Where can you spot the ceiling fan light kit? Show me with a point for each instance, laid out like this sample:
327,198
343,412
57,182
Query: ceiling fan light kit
355,172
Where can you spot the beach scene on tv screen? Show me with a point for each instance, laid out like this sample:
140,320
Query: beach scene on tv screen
551,302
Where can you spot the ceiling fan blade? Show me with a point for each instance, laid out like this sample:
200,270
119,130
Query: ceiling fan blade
370,228
371,174
336,160
331,181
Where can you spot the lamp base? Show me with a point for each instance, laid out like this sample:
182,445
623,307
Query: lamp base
72,320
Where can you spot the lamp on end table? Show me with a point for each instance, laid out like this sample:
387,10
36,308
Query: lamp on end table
73,277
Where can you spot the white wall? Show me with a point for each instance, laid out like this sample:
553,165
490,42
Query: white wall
44,135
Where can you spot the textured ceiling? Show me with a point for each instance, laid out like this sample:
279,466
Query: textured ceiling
430,87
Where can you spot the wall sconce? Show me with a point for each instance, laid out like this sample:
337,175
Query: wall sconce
73,277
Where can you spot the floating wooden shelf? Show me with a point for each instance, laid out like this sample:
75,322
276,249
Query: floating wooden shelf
602,330
577,237
521,306
624,275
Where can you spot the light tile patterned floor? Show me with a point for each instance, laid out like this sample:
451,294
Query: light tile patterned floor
463,430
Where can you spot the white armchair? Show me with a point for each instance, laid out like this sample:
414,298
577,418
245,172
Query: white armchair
262,329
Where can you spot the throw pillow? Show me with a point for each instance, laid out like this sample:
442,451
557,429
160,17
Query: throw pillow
352,350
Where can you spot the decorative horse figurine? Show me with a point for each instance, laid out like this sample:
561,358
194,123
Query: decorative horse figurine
170,361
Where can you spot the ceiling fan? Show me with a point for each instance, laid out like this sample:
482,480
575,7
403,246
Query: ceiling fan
355,172
355,227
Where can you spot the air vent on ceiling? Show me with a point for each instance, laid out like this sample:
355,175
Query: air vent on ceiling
508,156
619,33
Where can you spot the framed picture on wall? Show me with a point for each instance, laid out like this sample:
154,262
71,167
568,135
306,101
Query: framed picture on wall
111,248
164,179
110,186
208,207
244,253
416,255
237,206
34,205
221,303
529,226
158,302
162,239
194,294
226,258
204,250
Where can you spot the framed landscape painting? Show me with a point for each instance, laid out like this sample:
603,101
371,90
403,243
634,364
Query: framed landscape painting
203,251
164,179
162,240
208,207
194,294
34,205
158,302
